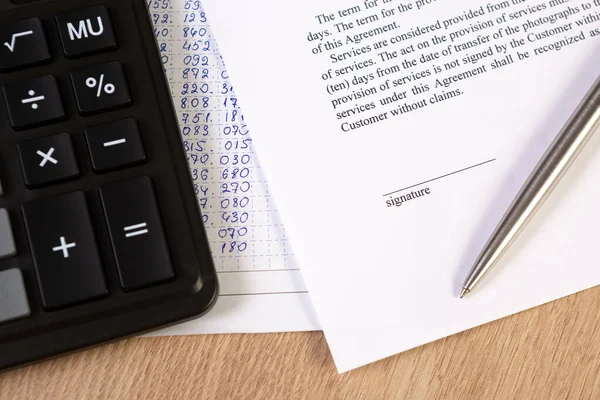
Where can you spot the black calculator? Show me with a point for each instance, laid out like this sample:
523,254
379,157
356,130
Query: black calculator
101,235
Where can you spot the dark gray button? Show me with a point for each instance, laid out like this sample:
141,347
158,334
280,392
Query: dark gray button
48,160
65,254
115,145
101,88
86,31
24,44
7,242
13,298
137,234
33,102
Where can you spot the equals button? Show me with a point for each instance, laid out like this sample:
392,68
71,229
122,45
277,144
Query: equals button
136,232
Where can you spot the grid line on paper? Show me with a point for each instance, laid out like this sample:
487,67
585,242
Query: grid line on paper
232,192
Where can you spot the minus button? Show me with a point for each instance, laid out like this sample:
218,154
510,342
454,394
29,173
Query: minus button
116,145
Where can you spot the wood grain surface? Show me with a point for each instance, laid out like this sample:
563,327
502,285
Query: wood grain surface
550,352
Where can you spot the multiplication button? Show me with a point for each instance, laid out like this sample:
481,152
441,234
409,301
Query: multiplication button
48,160
33,102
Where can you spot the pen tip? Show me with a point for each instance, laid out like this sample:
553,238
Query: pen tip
464,292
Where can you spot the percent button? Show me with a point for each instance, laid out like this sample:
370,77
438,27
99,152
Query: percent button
101,88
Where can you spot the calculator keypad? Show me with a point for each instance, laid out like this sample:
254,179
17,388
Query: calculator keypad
65,253
101,235
86,31
48,160
61,235
34,102
23,44
101,88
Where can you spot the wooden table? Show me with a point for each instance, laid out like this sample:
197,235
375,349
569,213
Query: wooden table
551,352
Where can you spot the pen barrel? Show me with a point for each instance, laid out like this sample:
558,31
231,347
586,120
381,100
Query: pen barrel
552,166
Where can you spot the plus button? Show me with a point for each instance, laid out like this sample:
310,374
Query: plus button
64,247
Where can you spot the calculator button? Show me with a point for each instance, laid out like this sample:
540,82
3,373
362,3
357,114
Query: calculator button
48,160
86,31
101,88
136,232
13,297
7,241
115,145
33,102
64,250
23,44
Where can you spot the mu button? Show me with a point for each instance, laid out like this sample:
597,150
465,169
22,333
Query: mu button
86,31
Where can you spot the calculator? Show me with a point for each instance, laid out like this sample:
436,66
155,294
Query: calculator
101,235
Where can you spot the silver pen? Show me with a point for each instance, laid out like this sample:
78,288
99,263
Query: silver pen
552,166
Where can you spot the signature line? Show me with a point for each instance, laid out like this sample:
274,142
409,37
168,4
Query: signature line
440,177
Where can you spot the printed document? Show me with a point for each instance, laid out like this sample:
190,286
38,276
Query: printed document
394,135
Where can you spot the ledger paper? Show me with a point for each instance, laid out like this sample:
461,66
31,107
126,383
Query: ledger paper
261,285
402,131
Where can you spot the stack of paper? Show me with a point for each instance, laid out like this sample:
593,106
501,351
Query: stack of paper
394,134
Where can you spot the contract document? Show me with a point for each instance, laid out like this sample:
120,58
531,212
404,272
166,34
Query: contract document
395,134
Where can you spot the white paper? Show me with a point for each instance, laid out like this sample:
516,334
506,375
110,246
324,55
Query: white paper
261,286
386,279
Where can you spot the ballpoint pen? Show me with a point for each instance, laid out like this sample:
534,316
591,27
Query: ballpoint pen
552,166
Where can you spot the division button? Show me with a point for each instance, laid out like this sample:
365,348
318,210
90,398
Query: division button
64,249
136,232
33,102
7,241
48,160
13,297
22,44
115,145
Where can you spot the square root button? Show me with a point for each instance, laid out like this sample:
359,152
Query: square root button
22,44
